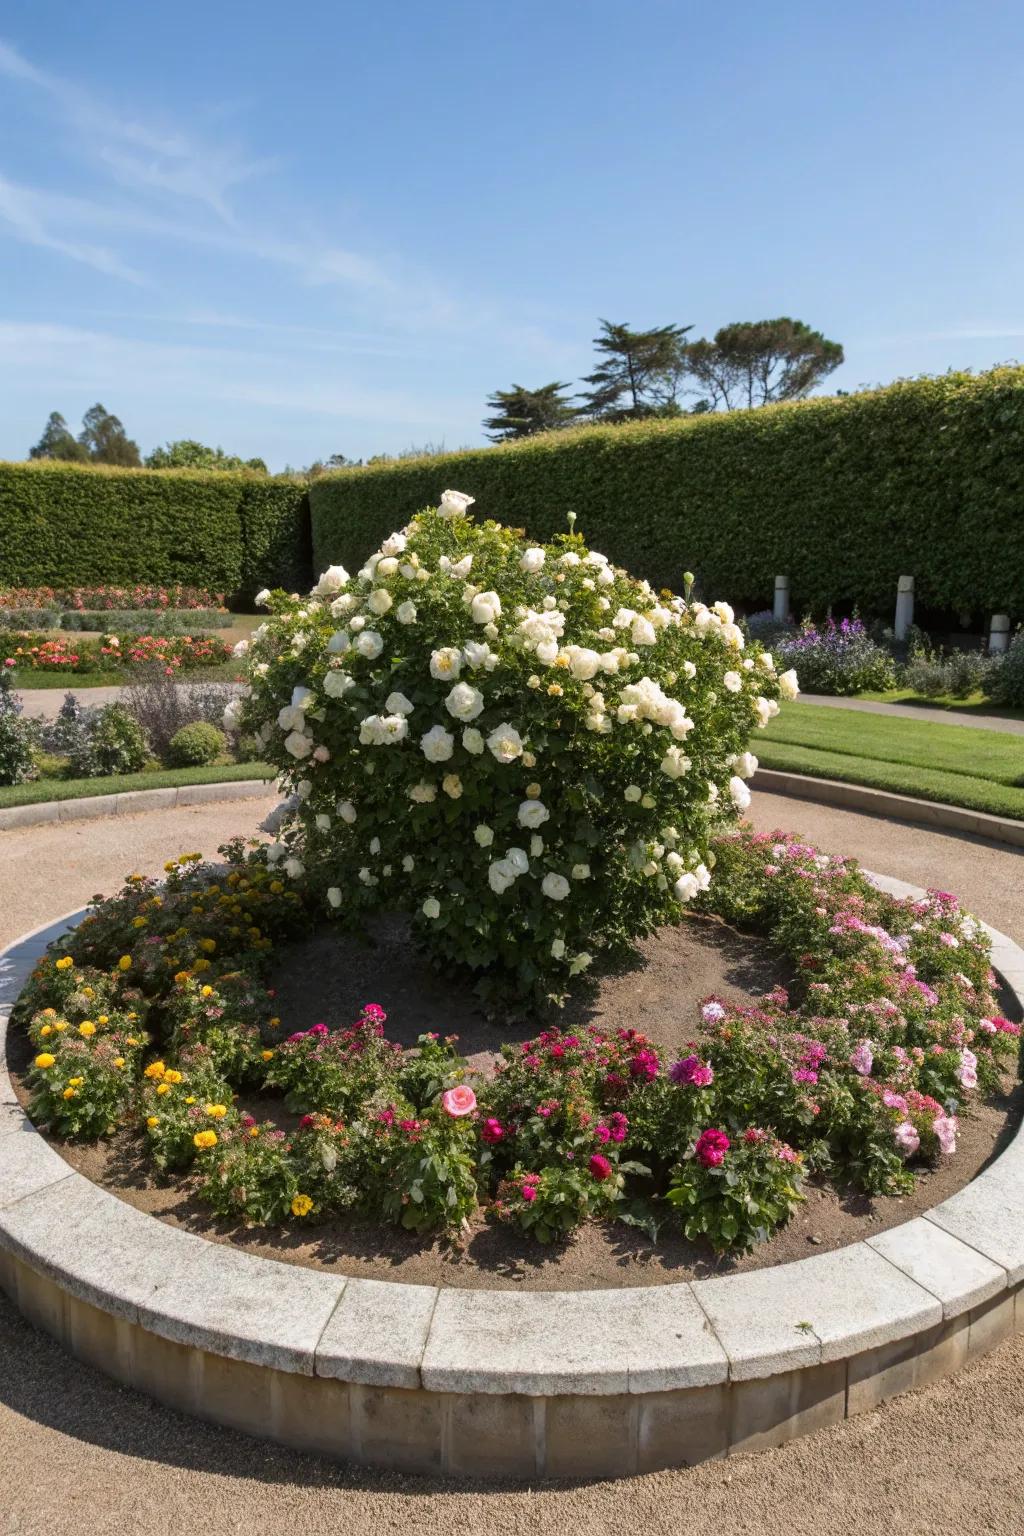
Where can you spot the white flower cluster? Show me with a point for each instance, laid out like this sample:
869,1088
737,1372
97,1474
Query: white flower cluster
527,694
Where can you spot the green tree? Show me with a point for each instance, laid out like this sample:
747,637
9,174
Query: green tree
520,412
105,441
186,453
752,363
57,442
639,374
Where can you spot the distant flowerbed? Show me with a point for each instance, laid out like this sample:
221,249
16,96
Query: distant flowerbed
155,1014
71,653
837,658
129,597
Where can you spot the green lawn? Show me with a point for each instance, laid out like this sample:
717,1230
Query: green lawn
981,770
160,778
974,704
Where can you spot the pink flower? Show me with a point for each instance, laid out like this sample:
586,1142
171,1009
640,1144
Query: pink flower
599,1166
618,1126
691,1072
712,1012
492,1131
967,1071
644,1065
862,1059
945,1128
529,1192
906,1138
375,1012
711,1147
459,1101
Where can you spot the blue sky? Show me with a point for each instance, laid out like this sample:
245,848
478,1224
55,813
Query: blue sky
337,227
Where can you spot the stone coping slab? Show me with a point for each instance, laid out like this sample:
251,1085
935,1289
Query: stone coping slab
382,1335
130,802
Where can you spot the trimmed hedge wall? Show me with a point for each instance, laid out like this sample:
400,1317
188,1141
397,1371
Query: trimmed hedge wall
66,525
844,495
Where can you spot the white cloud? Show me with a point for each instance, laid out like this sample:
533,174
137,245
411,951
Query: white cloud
21,215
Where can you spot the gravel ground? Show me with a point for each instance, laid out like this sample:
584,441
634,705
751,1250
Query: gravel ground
78,1453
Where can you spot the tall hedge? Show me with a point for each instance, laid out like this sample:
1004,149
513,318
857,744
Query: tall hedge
844,495
65,525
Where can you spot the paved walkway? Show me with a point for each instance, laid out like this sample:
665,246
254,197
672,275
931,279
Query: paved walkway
919,712
80,1454
46,702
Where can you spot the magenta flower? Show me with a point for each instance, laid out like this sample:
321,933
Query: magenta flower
492,1131
618,1126
599,1166
711,1147
691,1072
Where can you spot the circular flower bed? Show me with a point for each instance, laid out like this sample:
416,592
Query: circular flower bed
518,743
155,1012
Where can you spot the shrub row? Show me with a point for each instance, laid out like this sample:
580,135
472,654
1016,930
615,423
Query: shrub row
844,495
63,524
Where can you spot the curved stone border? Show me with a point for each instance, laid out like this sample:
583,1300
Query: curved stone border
130,802
504,1383
884,802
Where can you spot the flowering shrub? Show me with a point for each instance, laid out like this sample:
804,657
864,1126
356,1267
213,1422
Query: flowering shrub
519,744
837,658
134,596
155,1012
112,742
1006,678
37,653
17,763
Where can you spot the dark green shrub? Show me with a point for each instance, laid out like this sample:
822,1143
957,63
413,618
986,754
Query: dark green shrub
956,675
16,737
843,495
195,745
113,743
67,525
29,618
1006,679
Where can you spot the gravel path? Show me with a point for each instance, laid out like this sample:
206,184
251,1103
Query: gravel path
79,1454
920,712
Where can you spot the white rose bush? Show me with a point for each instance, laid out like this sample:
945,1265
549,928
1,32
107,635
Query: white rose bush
518,744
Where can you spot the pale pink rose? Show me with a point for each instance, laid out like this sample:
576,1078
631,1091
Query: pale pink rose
459,1101
907,1138
945,1128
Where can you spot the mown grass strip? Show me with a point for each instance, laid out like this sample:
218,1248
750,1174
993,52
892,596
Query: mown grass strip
958,789
40,790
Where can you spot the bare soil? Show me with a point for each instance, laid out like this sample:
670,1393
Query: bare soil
659,990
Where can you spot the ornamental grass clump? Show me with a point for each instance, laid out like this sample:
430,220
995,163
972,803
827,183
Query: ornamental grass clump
518,744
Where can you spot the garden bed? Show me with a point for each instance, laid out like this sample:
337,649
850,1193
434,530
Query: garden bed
325,978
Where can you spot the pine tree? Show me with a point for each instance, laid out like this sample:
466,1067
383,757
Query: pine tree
520,412
638,375
759,362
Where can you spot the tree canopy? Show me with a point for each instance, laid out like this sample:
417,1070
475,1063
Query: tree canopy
186,453
638,374
102,440
519,412
759,362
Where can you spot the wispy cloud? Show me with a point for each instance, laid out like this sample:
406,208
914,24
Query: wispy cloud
20,216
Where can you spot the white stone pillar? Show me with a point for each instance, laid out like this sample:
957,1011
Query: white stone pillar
904,607
780,608
999,634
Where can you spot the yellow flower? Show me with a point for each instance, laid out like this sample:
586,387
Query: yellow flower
191,1099
125,963
49,1013
277,886
203,1139
44,1060
172,1076
46,1030
254,1130
119,1061
152,1120
555,690
533,791
103,1018
201,965
274,1023
131,1040
182,977
216,1111
163,1087
139,922
266,1055
69,1093
206,991
208,945
61,1026
65,963
171,866
87,1028
301,1205
133,1016
76,1082
88,992
155,1069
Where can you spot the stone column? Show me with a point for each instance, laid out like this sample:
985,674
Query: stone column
904,607
780,608
999,634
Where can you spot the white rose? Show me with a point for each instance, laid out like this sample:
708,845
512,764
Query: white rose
739,792
583,663
405,613
484,835
369,644
455,503
643,631
766,661
532,561
333,579
437,745
569,558
431,907
323,821
298,744
347,811
344,604
733,682
477,653
452,786
394,544
633,793
533,814
472,740
536,846
232,715
398,704
555,887
294,868
263,598
334,896
505,743
557,948
423,793
746,765
788,685
240,649
446,663
675,763
408,863
486,607
686,887
500,875
379,601
765,709
581,871
338,683
464,702
321,755
580,963
339,642
518,862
